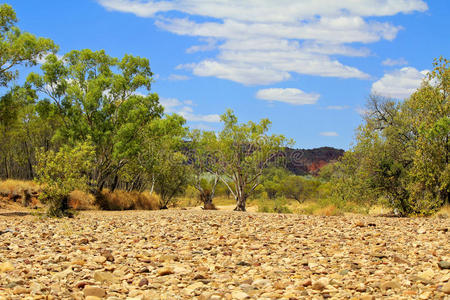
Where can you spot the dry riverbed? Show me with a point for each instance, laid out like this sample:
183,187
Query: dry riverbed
188,254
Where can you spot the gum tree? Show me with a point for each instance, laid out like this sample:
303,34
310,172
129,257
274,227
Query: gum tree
17,47
100,98
243,151
203,160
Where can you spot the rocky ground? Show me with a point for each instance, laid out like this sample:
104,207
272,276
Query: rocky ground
183,254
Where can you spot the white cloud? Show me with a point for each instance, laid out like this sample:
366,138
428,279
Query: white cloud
395,62
288,95
329,133
169,104
173,105
210,45
264,41
399,83
43,59
177,77
202,126
267,10
337,107
245,73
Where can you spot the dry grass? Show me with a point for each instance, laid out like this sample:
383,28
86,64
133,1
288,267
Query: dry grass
17,187
194,201
80,200
20,191
379,210
329,210
444,212
122,200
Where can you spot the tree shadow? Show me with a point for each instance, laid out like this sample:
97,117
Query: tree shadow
15,214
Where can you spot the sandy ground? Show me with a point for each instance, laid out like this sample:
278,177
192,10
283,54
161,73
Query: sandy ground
192,254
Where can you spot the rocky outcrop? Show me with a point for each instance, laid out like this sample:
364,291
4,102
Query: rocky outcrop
310,161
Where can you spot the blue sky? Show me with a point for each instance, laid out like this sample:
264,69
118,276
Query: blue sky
307,65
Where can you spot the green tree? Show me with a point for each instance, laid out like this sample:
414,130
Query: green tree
171,176
24,125
18,48
203,161
402,150
18,133
162,159
243,152
272,181
98,97
60,172
299,188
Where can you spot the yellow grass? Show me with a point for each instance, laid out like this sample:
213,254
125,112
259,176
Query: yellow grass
444,212
12,186
122,200
80,200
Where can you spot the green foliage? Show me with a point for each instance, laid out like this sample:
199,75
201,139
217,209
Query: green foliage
203,160
24,126
61,172
300,188
97,96
242,152
162,159
18,48
272,181
171,176
402,151
19,130
278,205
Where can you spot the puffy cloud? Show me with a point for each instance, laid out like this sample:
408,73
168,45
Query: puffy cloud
399,83
289,95
42,60
173,105
169,104
267,10
264,41
245,73
395,62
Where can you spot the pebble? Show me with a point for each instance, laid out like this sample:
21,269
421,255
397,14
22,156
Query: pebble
320,284
393,285
142,282
239,295
107,277
444,265
94,291
6,267
212,255
446,288
165,271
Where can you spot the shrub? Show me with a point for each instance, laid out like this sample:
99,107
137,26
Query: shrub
25,191
278,205
62,172
123,200
81,200
329,210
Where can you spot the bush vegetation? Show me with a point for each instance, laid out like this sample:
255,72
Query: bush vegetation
90,132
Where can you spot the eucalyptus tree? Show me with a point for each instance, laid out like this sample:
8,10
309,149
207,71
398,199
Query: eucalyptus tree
162,157
17,114
401,155
100,98
204,162
17,47
243,151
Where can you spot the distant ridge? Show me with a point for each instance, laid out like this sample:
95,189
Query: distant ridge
310,161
